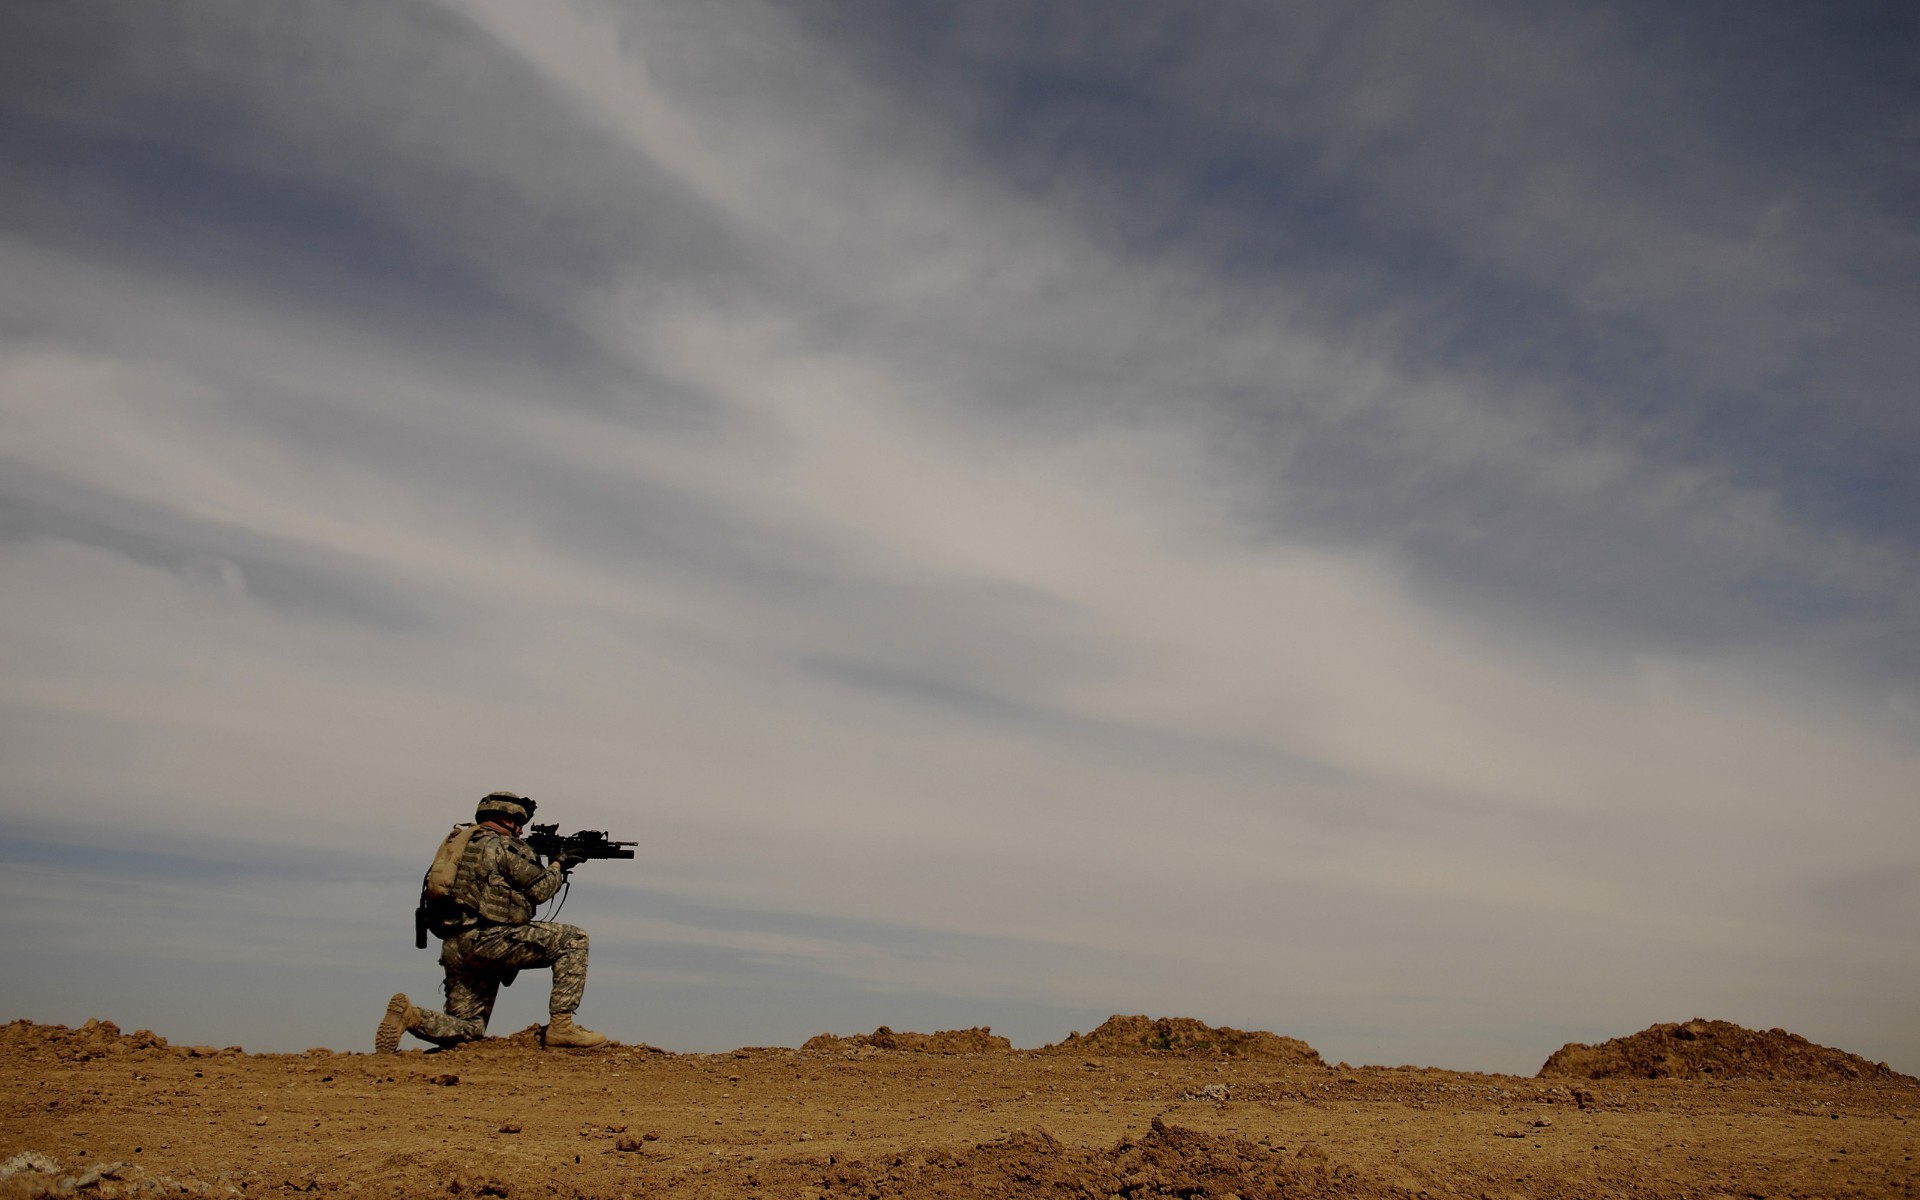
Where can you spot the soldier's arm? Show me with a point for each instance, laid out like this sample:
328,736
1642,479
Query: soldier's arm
522,867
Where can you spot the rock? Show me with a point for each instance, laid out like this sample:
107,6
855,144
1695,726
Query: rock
93,1175
26,1161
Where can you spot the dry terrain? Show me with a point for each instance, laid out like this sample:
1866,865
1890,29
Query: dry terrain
1137,1108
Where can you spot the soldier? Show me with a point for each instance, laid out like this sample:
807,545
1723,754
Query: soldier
490,935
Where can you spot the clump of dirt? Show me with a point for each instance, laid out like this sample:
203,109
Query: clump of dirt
530,1038
979,1040
1186,1038
95,1039
1168,1161
1716,1049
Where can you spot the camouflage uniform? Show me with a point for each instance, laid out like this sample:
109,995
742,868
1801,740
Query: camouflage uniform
499,884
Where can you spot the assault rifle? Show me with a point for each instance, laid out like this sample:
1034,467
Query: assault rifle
587,844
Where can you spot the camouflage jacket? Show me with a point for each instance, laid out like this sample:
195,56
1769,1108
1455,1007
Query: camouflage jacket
500,880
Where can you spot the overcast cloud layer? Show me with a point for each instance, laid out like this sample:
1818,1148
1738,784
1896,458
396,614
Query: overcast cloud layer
1394,524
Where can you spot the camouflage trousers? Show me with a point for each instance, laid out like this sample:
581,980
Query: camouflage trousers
478,961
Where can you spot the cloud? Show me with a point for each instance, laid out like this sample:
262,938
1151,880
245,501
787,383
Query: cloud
1593,221
968,609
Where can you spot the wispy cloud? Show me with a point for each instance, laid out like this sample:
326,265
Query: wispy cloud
1116,559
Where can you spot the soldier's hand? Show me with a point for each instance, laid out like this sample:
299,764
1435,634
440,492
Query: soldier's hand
567,862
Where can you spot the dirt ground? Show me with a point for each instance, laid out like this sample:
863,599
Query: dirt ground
93,1112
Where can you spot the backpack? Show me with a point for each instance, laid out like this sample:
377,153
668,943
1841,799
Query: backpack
438,910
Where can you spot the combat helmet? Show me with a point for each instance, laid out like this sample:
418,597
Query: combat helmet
506,807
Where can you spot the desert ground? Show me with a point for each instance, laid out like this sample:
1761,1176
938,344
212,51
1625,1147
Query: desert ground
1137,1108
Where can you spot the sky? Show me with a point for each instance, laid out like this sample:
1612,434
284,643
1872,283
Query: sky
1389,523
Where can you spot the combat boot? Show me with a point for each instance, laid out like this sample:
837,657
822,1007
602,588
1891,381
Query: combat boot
562,1033
401,1016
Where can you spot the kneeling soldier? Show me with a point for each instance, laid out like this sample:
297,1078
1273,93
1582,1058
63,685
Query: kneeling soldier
490,936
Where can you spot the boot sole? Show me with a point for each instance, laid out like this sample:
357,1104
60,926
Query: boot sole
386,1040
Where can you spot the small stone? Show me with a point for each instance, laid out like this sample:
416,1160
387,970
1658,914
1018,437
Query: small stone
510,1127
94,1175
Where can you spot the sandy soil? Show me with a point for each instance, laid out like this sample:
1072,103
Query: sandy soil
96,1113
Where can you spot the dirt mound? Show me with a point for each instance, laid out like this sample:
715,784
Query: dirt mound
95,1039
530,1038
1186,1038
1719,1049
979,1040
1168,1161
